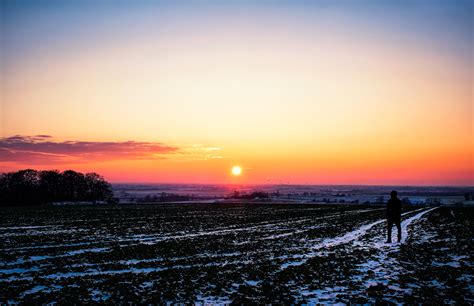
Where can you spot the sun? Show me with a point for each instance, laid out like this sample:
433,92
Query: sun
236,170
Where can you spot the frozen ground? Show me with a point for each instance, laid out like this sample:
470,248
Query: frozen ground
239,253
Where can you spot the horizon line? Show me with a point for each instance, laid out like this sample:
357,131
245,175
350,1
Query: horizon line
289,184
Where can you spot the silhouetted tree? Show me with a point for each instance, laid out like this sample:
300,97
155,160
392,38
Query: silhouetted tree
74,185
97,188
50,185
24,186
29,187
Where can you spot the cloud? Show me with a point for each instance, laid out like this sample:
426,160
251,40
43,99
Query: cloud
42,149
200,152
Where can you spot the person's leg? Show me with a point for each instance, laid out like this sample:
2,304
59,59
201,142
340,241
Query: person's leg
399,228
389,230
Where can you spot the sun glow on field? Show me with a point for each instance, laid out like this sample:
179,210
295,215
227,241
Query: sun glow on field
236,170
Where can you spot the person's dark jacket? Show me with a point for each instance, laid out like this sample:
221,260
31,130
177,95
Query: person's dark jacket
394,209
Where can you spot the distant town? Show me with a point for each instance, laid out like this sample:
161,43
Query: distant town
342,194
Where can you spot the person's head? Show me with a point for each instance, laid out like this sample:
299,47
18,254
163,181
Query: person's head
393,194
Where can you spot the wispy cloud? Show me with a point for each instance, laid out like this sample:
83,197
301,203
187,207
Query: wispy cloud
201,152
42,149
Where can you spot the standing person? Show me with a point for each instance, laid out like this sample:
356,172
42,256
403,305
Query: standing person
394,210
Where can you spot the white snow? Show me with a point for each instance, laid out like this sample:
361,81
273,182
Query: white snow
33,290
252,282
407,222
82,251
24,227
272,230
211,300
130,270
377,265
98,296
17,270
346,238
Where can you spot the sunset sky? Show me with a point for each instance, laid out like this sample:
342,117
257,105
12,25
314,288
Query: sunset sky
303,92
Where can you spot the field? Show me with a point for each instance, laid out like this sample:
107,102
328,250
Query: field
234,253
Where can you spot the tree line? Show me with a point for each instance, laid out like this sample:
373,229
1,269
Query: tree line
32,187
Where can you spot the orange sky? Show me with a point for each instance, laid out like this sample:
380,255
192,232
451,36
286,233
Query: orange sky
293,94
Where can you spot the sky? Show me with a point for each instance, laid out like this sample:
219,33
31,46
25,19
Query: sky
300,92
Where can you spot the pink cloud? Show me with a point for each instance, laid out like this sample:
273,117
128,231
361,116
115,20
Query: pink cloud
41,148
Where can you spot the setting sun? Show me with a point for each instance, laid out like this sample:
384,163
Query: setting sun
236,170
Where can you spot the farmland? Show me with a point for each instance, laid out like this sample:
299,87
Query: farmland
234,253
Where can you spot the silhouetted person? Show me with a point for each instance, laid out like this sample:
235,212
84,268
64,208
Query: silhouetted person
394,210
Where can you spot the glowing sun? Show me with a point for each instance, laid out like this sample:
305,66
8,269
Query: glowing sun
236,170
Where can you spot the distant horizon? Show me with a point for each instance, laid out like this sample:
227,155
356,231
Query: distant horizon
281,184
243,183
